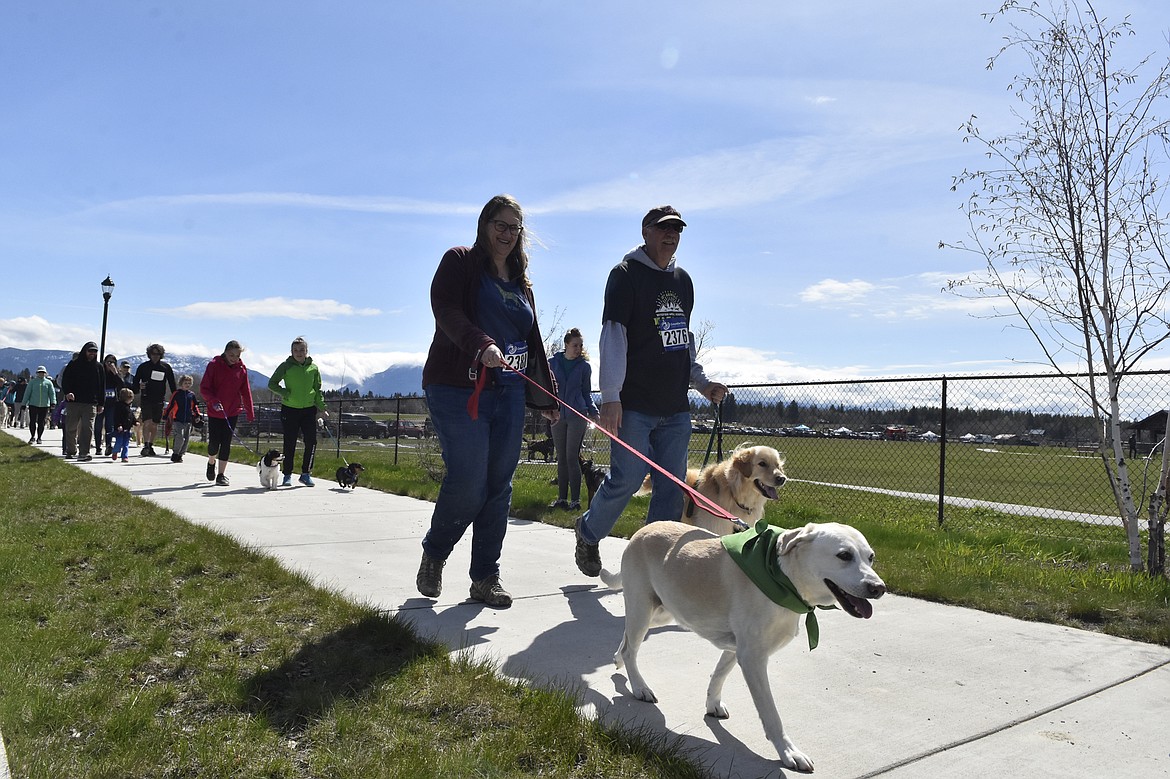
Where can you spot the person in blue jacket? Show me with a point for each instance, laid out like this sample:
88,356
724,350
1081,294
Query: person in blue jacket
574,378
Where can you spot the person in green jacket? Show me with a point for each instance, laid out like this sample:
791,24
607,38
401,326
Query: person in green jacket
39,397
298,383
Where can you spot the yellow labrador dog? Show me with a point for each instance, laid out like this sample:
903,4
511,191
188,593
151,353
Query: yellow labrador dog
673,571
742,485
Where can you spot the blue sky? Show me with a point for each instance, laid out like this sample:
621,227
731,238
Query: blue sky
262,170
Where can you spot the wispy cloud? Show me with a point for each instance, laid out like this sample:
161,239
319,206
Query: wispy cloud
34,332
366,204
831,290
915,297
268,308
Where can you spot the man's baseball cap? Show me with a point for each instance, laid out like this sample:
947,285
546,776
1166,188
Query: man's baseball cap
125,363
662,214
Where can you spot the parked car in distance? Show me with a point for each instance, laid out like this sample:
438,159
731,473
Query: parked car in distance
404,429
267,422
362,425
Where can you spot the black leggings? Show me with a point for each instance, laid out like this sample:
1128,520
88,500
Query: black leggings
36,419
299,423
219,437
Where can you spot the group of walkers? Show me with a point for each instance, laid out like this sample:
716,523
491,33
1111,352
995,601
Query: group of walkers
487,362
95,404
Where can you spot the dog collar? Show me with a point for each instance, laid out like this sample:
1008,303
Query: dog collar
754,551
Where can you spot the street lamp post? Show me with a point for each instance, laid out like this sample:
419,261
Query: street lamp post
107,290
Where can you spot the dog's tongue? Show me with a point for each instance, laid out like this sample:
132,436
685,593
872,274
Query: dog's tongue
767,491
861,606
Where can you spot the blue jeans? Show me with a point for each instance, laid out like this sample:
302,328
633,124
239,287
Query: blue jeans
480,456
665,440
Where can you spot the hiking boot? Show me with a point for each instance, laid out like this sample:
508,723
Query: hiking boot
430,577
221,481
491,592
287,480
587,555
211,471
307,480
559,504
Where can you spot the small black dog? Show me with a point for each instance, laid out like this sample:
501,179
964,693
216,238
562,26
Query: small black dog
545,448
592,475
347,475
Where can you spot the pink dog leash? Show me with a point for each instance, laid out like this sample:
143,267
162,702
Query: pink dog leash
701,500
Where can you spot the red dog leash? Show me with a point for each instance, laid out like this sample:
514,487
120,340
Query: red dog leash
702,501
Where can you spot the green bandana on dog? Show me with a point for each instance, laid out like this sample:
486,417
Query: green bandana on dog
754,551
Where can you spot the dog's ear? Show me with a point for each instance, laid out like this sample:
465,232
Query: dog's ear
791,539
743,462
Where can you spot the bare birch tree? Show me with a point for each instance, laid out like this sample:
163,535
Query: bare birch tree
1068,215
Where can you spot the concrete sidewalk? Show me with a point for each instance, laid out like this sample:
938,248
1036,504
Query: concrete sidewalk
919,690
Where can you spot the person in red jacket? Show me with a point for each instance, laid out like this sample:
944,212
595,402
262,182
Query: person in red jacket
227,393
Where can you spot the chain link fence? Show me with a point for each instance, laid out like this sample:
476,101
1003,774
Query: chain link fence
1023,449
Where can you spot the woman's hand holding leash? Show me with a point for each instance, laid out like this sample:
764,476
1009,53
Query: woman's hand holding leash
492,357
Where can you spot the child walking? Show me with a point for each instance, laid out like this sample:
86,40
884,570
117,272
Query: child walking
124,422
183,412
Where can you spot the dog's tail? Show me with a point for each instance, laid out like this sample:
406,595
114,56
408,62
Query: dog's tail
612,579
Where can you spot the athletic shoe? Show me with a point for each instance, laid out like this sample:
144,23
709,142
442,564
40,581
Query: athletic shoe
287,481
306,480
211,471
32,438
587,555
221,481
85,458
575,505
113,455
490,591
429,580
559,504
176,458
38,440
125,459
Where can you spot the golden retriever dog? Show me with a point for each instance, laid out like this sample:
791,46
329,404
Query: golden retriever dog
742,485
675,572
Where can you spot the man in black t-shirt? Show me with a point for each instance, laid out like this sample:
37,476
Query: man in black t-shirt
155,380
647,366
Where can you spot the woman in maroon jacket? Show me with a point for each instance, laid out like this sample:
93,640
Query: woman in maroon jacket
486,335
226,392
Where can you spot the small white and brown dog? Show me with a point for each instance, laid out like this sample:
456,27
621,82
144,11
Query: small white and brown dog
269,469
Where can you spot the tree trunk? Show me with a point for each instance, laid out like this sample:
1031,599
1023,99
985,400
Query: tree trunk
1119,474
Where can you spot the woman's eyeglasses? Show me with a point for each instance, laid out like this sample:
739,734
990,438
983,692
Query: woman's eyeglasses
501,226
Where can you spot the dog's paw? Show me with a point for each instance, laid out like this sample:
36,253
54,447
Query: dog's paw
795,760
717,710
645,694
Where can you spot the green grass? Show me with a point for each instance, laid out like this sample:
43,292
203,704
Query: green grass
134,644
